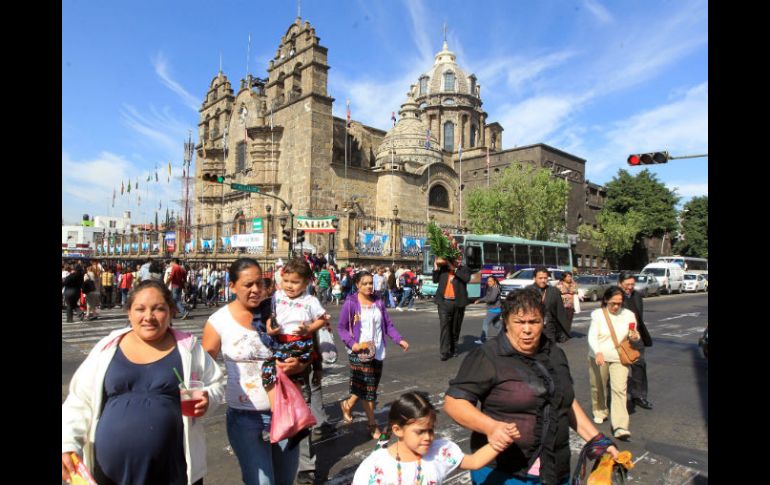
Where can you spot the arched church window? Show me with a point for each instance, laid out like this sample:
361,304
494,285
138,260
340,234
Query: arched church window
423,85
449,101
438,197
449,81
473,135
449,136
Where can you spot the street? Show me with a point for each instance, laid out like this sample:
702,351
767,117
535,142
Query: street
669,443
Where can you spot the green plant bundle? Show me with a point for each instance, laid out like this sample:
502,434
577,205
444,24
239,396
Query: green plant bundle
440,243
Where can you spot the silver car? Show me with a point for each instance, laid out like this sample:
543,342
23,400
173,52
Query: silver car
647,285
592,287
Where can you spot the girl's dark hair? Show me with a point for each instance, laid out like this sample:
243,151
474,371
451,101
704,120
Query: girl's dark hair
241,264
300,267
490,277
357,277
410,407
565,274
525,300
144,285
611,291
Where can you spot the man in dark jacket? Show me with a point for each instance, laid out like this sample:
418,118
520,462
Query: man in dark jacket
451,298
557,327
637,378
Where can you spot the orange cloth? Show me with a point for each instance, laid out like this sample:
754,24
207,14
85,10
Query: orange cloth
449,291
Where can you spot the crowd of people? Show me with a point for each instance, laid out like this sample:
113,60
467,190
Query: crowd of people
513,392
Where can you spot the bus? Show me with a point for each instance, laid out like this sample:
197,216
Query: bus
494,255
690,265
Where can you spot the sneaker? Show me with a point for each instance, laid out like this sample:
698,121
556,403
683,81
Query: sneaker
598,420
399,309
412,310
186,315
622,434
305,478
479,341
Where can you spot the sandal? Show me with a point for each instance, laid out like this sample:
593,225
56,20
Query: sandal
345,411
374,431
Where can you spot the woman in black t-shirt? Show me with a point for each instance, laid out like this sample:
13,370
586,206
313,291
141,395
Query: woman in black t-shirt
520,377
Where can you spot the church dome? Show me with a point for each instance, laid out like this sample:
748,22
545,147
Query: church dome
407,140
446,76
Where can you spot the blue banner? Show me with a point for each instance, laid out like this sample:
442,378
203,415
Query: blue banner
135,246
412,246
145,246
226,241
373,243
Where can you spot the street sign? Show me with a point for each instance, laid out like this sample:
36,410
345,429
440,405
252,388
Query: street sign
256,225
244,188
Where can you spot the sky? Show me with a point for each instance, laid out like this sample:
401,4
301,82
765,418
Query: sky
597,79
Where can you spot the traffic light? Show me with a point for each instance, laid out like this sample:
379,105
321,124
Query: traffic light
287,235
648,158
300,237
210,177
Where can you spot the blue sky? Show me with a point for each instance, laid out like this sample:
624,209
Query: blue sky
599,79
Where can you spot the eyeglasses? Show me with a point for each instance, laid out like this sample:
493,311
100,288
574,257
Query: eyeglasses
614,303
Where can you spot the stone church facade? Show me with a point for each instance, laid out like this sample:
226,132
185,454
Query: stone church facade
279,134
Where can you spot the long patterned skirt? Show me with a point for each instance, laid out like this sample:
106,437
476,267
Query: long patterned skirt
364,377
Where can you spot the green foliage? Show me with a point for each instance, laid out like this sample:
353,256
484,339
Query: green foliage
522,201
616,235
440,245
647,196
695,228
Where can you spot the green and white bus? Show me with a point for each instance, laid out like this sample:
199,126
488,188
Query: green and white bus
690,265
492,254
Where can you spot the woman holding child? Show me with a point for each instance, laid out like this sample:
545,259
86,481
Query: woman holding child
523,378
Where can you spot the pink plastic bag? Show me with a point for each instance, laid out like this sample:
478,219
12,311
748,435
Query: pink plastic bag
290,412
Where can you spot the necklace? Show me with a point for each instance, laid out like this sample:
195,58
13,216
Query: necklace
417,476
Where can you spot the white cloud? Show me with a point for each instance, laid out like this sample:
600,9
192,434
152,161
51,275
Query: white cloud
162,70
688,190
534,119
167,132
599,11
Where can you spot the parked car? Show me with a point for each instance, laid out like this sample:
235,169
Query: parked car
613,279
592,287
670,276
525,277
694,282
647,285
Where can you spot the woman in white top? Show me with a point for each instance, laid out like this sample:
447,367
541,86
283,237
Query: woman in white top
231,330
604,361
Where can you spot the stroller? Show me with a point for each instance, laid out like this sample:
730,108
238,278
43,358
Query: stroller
82,306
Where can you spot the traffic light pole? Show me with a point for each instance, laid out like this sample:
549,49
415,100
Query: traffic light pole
689,156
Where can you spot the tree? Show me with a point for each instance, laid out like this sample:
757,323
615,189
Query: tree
695,227
616,235
523,201
646,195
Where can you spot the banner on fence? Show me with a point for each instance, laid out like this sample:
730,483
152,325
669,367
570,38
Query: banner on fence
412,246
373,243
248,240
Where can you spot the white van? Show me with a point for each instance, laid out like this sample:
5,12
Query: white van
670,276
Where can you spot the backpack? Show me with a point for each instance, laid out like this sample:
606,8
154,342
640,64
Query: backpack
407,280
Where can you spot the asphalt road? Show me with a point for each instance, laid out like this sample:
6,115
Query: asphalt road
669,443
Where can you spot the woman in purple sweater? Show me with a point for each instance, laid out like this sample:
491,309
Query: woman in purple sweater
363,324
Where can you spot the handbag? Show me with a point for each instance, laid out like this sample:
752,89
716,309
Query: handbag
291,413
628,354
611,471
326,346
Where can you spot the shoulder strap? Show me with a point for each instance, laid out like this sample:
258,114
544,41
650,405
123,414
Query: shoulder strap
609,324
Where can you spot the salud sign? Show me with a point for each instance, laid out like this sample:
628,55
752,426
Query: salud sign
315,224
256,225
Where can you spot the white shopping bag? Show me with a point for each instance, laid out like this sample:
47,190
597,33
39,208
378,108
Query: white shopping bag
576,301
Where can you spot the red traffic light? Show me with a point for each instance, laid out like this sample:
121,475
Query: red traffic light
648,158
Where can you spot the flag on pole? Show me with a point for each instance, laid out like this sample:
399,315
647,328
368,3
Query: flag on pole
137,184
169,169
271,116
347,109
393,117
139,201
149,176
487,166
160,204
129,186
113,197
427,139
156,174
122,187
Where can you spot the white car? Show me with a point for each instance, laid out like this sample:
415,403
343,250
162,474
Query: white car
694,282
526,277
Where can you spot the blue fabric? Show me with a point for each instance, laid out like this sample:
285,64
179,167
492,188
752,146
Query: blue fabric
139,438
490,476
407,298
261,463
177,294
491,317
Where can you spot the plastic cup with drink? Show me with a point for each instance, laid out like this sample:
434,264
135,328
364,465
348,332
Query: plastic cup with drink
191,393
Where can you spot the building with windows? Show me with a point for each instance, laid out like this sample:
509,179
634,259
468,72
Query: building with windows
279,134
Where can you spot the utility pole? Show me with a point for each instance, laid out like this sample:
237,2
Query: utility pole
188,153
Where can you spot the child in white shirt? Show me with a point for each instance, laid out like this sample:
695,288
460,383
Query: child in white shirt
296,315
416,457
